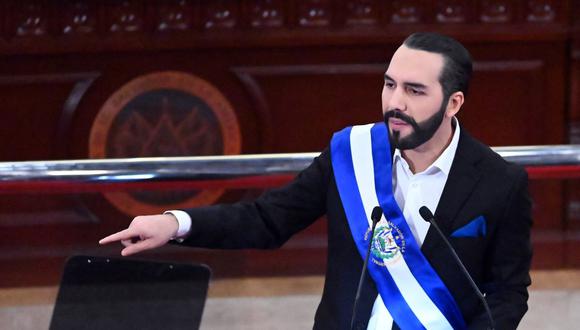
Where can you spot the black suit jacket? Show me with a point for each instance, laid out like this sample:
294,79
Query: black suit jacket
480,183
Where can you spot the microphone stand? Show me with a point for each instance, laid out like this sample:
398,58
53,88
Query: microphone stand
427,215
376,215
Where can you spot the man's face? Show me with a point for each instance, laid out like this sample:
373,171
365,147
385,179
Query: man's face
412,97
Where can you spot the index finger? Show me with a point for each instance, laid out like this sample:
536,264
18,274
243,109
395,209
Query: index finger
119,236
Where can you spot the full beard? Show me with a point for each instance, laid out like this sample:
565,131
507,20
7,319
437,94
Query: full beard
422,131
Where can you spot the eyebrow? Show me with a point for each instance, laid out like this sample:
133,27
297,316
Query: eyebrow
408,83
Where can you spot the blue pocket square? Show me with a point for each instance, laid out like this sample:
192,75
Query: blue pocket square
475,228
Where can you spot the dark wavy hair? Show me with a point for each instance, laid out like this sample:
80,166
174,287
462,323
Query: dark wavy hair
457,68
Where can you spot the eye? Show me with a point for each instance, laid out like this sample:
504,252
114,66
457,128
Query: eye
415,91
389,84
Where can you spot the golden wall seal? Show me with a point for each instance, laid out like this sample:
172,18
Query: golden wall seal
164,114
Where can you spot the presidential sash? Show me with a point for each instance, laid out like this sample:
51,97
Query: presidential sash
411,290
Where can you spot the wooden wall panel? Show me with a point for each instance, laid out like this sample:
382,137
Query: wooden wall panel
282,65
42,126
525,97
290,96
572,224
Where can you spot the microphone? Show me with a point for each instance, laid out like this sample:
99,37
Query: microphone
376,215
428,216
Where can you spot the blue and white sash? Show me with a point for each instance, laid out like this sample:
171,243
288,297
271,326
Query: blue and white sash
411,290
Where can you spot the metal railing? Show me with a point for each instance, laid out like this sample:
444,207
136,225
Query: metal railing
243,171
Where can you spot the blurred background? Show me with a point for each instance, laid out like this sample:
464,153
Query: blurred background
117,79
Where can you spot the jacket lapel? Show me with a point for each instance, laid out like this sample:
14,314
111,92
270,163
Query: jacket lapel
461,182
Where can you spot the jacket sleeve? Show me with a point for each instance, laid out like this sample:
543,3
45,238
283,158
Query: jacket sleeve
509,263
270,220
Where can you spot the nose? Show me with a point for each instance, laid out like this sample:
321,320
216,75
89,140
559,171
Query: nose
394,99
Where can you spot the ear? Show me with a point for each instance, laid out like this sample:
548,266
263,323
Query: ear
454,104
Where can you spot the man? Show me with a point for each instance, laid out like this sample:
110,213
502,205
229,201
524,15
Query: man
419,156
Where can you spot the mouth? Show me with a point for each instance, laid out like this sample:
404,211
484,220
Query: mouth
397,123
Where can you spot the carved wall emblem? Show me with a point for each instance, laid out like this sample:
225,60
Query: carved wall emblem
164,114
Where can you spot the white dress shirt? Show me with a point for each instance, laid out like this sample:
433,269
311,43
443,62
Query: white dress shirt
183,224
411,192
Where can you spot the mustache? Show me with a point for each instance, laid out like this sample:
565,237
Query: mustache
401,116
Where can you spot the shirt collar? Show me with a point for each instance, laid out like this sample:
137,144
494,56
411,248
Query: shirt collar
444,161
